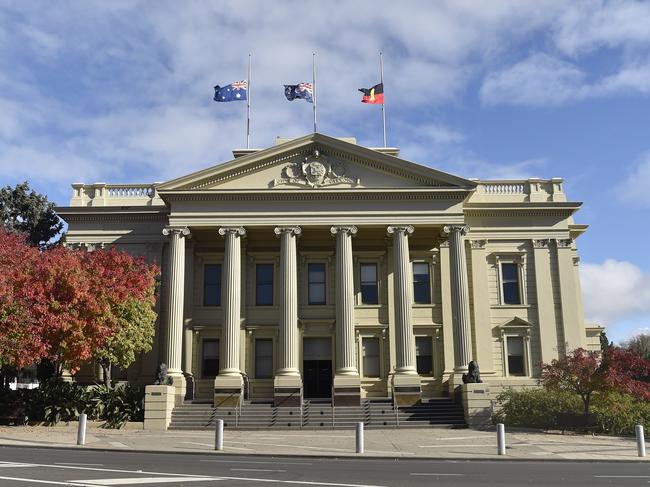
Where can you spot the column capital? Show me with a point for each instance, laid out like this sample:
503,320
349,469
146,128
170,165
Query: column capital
462,229
563,243
406,229
239,231
291,230
351,229
541,243
478,244
181,231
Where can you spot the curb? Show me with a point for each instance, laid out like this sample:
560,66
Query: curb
352,456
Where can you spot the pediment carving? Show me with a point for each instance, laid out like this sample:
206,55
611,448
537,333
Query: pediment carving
315,171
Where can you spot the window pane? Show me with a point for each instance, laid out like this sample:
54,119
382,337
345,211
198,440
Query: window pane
516,356
421,284
424,355
316,287
210,366
510,277
509,272
370,349
212,285
264,285
369,292
263,358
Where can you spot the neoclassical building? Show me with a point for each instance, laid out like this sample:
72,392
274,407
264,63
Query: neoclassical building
319,268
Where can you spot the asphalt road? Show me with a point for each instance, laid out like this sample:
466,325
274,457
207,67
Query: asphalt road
92,468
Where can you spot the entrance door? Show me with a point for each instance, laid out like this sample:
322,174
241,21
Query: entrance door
317,367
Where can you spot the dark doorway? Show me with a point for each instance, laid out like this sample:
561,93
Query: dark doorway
317,367
318,378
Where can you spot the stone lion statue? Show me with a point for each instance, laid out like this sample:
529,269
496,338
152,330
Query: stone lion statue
162,379
473,376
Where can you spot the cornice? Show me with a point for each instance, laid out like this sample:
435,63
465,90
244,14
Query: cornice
521,209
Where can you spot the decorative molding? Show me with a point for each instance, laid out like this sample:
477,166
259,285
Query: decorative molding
462,229
314,171
406,229
541,243
239,231
576,260
351,229
444,244
478,244
563,243
294,230
180,231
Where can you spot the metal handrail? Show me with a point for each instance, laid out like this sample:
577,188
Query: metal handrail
301,408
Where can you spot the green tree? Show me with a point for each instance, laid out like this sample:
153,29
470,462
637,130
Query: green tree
25,211
639,344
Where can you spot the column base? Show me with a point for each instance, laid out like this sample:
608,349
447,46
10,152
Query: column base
408,390
228,391
347,390
287,391
179,385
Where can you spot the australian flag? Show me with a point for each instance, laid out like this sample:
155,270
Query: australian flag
233,92
301,90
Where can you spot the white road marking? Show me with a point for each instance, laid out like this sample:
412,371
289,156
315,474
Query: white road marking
49,482
255,470
300,482
251,461
83,464
440,474
117,470
141,480
13,465
622,476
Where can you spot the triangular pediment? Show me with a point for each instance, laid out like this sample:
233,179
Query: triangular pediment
313,162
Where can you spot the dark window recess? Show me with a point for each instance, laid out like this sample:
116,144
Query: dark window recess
210,366
263,358
510,278
424,355
212,285
516,356
421,283
264,285
370,349
316,292
369,291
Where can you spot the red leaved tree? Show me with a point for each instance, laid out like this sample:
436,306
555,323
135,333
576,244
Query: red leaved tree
627,372
579,372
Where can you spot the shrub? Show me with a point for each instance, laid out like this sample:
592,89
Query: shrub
534,408
116,406
618,413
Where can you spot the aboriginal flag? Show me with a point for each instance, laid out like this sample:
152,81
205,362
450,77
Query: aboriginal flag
374,95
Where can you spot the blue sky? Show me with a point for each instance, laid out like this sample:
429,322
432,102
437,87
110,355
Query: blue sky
121,91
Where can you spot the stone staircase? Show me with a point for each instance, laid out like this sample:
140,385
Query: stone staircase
373,413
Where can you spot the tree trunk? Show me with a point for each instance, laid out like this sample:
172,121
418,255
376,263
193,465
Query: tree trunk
106,368
587,400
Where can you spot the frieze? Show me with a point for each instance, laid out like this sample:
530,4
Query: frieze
541,243
315,171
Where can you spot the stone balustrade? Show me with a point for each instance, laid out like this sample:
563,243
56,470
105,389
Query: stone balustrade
519,190
102,194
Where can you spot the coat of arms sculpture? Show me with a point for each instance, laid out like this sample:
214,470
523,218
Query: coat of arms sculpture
314,171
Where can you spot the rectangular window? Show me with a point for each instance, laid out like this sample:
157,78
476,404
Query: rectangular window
369,291
264,285
424,355
212,285
263,358
210,367
370,349
316,280
516,356
421,283
510,283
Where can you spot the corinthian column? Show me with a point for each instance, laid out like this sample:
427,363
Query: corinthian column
346,379
405,340
459,297
228,384
174,306
406,382
287,383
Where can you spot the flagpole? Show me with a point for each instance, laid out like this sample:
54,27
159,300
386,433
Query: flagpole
383,110
248,107
313,84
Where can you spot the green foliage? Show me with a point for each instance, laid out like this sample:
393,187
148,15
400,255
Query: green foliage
534,408
116,406
25,211
618,413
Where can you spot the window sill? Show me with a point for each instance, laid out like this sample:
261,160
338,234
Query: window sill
424,305
510,306
369,306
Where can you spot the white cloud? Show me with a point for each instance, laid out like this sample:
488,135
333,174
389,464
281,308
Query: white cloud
635,189
614,291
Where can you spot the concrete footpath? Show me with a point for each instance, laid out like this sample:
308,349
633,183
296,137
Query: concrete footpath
444,443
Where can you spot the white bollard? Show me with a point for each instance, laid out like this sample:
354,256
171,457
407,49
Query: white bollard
640,440
218,439
81,431
359,437
501,439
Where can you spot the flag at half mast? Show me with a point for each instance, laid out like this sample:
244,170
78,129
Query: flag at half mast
374,95
233,92
301,90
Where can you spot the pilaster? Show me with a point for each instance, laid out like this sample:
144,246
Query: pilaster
572,322
347,385
545,303
481,308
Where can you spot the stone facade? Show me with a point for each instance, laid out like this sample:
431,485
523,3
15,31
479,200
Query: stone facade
320,267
